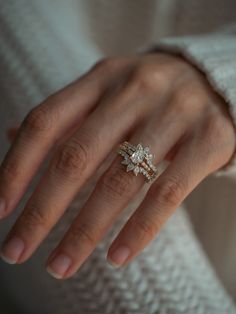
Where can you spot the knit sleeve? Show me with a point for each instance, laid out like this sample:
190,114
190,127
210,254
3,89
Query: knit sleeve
215,55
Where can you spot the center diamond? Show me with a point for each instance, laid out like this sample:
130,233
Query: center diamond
138,156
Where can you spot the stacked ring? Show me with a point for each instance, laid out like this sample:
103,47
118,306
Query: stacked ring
138,159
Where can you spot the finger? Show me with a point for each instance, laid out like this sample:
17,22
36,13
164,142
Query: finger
42,127
69,169
113,191
12,132
186,170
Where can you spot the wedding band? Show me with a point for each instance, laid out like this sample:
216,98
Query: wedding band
138,159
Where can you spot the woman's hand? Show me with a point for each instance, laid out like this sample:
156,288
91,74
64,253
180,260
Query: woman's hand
155,99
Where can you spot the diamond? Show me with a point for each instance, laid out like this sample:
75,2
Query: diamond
139,154
137,157
136,170
149,156
125,162
130,167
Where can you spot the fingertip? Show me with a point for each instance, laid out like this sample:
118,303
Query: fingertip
59,266
53,273
12,250
7,259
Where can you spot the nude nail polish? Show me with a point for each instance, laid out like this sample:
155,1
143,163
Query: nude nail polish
59,266
12,250
119,256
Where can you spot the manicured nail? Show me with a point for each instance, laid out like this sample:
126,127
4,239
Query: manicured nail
12,250
59,266
118,257
2,207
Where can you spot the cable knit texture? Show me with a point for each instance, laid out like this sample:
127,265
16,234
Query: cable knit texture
44,46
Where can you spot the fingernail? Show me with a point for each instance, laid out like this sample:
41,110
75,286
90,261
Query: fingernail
2,207
12,250
118,257
59,266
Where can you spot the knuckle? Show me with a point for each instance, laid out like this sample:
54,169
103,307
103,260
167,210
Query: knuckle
82,233
105,64
146,226
148,78
168,194
214,127
71,160
211,136
9,171
31,218
115,183
187,95
180,101
217,138
38,120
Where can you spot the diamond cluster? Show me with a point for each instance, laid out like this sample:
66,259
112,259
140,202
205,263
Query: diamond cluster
138,159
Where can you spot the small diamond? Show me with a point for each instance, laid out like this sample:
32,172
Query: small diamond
149,157
124,154
125,162
145,173
136,170
130,167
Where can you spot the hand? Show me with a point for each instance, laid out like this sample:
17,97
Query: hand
156,99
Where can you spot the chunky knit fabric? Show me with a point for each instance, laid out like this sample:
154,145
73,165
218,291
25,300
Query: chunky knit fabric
44,46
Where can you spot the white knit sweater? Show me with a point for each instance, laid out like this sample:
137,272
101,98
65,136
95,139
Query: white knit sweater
48,43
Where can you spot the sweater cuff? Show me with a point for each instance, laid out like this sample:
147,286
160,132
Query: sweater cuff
215,55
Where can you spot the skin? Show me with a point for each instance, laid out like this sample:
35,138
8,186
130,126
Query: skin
157,99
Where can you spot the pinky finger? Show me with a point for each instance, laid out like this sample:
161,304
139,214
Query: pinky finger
186,170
